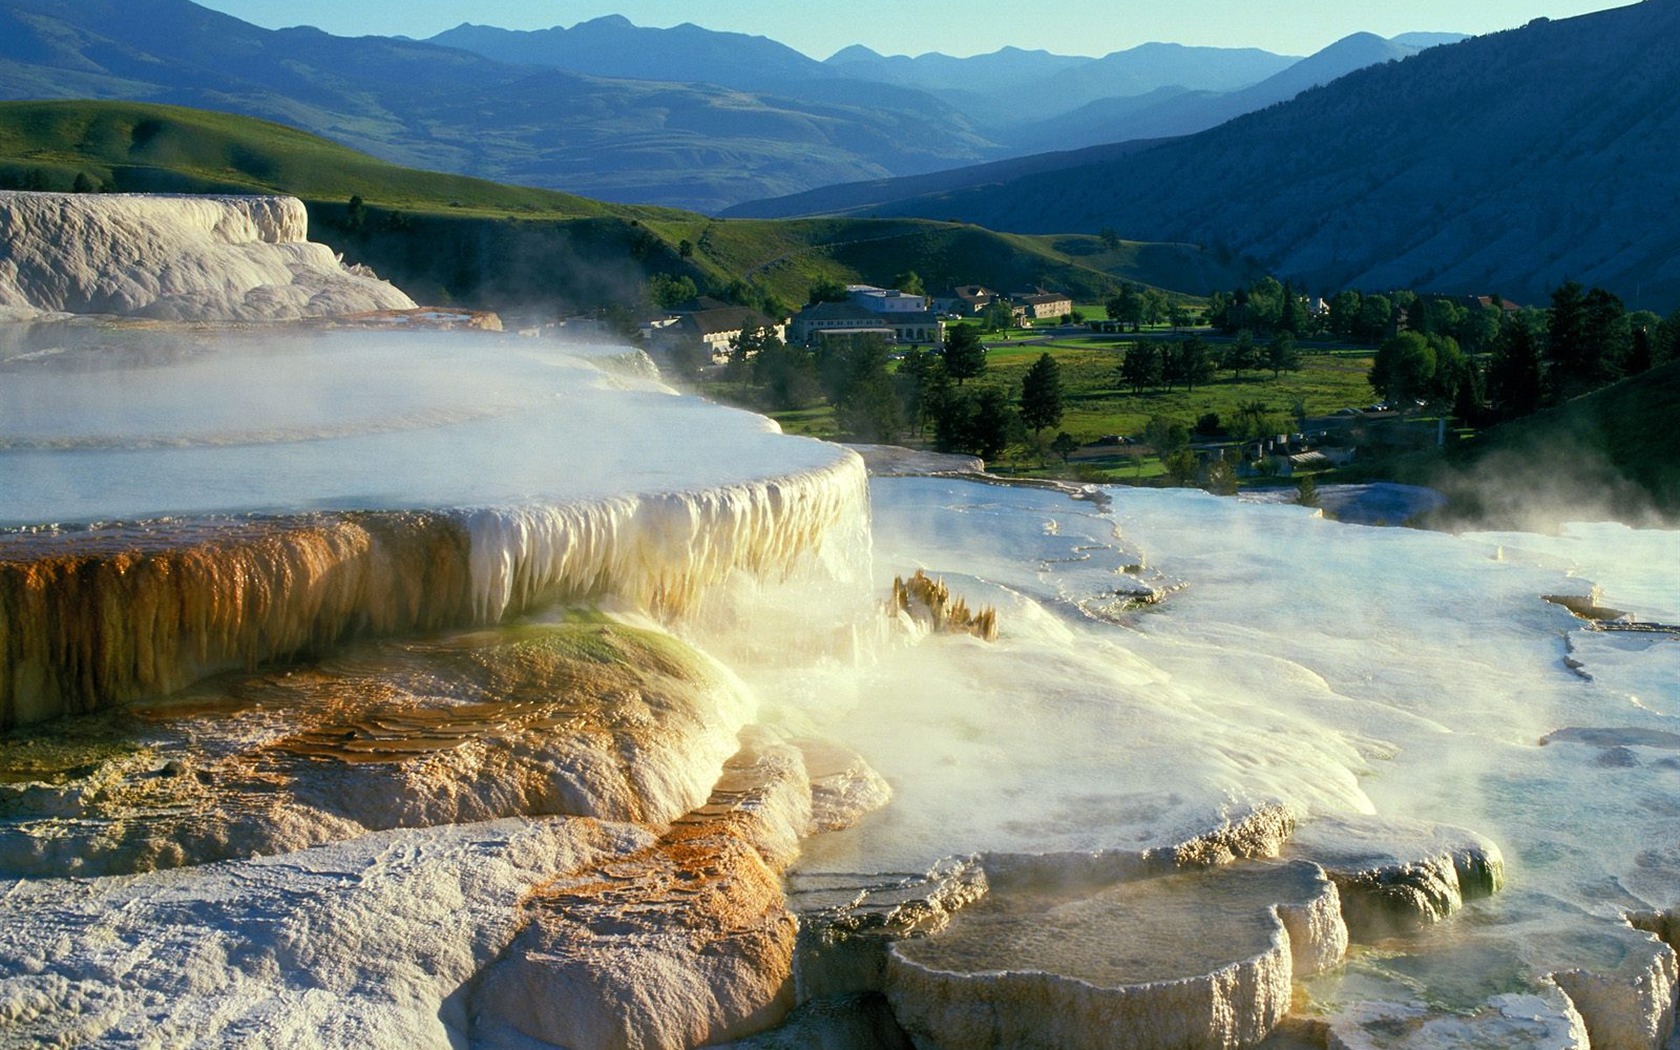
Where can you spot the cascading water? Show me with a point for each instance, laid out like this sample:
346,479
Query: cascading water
352,591
442,489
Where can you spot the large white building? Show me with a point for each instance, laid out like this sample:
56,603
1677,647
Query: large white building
887,300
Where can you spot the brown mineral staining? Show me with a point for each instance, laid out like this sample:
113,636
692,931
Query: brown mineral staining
594,719
925,598
100,616
684,943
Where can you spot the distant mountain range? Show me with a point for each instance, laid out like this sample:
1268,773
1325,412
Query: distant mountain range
1508,163
684,117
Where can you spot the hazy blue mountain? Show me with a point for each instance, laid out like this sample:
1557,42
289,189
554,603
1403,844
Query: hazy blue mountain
1423,40
699,146
1005,68
1505,163
1012,86
612,46
1168,112
1142,69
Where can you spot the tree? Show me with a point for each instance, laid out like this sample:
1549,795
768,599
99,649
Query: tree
1255,419
974,421
1126,306
1220,479
744,348
1241,355
1514,377
1154,309
786,374
1282,354
1065,445
1142,367
1639,356
1292,314
1195,363
1376,318
1345,314
991,423
1264,304
964,353
852,371
922,385
1567,351
1041,394
1468,405
1404,367
870,409
84,183
685,248
666,291
827,290
1665,346
1165,435
910,283
998,316
1180,466
1109,238
1306,491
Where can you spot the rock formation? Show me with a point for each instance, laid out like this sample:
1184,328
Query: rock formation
183,258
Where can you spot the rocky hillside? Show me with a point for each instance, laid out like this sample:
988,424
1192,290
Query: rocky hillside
1509,163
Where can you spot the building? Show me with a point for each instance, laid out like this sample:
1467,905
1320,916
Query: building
851,317
1042,305
887,300
969,300
714,328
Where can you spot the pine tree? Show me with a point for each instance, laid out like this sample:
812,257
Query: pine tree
965,355
1041,394
1282,354
1513,377
1142,367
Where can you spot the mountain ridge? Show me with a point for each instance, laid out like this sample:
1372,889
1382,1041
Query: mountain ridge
1472,167
424,105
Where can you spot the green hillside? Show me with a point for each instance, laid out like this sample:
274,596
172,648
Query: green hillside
448,238
141,147
1614,453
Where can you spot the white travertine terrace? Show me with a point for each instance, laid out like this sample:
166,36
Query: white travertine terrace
174,257
443,480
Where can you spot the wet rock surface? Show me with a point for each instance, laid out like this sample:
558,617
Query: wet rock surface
685,943
1395,876
596,720
1197,959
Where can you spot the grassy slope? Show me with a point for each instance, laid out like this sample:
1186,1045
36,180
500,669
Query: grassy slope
1613,453
145,146
603,250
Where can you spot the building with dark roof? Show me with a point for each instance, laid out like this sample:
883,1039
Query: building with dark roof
909,327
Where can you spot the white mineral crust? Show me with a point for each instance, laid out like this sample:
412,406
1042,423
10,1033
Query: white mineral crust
174,257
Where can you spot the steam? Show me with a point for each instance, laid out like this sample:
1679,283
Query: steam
1329,668
406,484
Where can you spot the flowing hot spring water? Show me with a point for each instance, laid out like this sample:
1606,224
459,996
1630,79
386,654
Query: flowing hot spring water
1179,682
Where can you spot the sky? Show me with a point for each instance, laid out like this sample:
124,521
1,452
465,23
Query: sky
955,27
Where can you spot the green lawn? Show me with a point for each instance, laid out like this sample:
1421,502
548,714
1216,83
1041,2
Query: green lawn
1095,405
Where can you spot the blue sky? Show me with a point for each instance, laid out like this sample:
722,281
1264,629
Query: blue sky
956,27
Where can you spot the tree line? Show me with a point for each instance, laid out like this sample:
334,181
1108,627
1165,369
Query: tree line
1585,339
925,396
